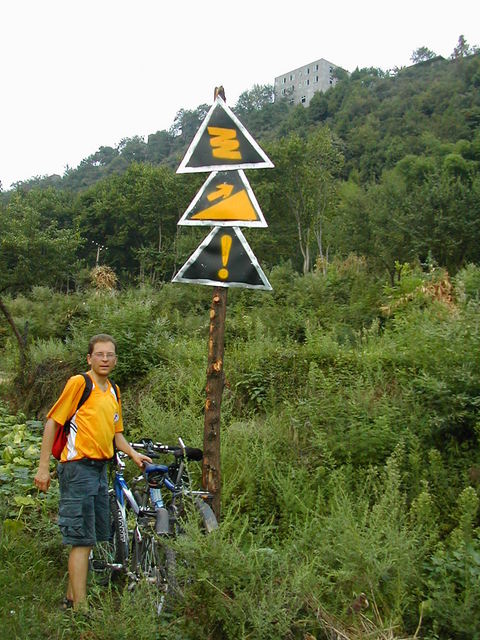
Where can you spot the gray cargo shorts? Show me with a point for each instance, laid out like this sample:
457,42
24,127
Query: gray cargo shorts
84,510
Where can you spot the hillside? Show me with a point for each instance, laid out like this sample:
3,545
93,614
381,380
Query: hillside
350,428
386,167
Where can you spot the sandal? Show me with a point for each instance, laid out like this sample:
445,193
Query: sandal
66,604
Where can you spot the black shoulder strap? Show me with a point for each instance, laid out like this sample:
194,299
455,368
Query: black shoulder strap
115,388
84,397
86,392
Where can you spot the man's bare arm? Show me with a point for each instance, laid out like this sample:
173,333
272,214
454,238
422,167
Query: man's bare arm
42,477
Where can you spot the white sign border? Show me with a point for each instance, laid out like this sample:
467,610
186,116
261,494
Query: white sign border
217,283
260,223
182,168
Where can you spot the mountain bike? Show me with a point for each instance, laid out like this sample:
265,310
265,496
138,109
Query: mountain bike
143,518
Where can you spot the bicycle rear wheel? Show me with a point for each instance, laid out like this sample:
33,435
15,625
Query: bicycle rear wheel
207,516
111,556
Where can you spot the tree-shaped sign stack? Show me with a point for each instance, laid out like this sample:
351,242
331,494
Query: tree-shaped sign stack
226,202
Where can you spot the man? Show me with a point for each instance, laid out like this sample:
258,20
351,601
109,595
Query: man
82,472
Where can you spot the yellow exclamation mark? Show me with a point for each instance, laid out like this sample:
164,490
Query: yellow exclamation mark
226,245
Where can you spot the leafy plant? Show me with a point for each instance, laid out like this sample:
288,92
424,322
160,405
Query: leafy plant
20,440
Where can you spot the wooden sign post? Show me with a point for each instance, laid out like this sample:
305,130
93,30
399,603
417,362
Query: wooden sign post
224,259
215,383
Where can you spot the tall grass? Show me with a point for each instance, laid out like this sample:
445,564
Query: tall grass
349,455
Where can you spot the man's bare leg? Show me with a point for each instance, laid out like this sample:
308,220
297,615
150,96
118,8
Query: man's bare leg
69,589
77,576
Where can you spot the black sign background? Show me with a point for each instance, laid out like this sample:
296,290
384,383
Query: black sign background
203,154
205,264
199,156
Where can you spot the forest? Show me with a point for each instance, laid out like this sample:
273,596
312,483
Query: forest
350,425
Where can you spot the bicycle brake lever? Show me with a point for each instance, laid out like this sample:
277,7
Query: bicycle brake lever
182,445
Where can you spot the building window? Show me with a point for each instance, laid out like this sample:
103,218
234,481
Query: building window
308,82
316,78
303,99
316,67
308,69
291,77
284,80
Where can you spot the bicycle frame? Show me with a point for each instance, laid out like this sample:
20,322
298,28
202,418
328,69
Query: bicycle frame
122,489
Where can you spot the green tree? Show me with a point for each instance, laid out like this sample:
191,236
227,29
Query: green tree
104,156
351,224
259,112
133,149
391,233
463,49
255,99
425,208
187,123
134,216
158,146
422,54
305,177
33,251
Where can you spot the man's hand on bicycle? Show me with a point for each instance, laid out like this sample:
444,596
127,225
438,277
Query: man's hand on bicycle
140,458
123,445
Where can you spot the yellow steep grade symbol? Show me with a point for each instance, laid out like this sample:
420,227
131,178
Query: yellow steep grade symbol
224,143
236,207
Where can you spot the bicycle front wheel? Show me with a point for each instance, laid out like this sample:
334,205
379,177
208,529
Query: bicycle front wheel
111,556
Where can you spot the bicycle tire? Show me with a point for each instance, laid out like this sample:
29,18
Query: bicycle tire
153,562
112,555
208,517
197,508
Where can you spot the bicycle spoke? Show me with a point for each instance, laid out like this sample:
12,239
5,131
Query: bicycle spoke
152,566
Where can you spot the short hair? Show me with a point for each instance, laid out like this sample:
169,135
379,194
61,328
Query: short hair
101,337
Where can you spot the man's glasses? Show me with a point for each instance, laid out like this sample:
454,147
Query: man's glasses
104,356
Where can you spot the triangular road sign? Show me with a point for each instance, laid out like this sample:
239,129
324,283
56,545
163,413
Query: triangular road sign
225,199
224,259
223,143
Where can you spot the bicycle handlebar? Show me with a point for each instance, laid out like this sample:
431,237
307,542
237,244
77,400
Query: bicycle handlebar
152,448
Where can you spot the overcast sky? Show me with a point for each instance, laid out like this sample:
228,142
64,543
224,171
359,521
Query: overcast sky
77,75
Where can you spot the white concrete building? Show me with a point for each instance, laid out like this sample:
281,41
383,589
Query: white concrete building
299,85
